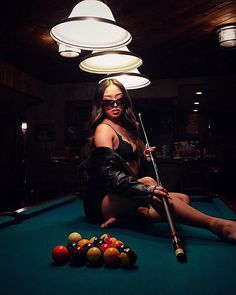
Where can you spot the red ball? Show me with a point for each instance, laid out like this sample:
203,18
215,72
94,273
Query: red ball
103,247
60,254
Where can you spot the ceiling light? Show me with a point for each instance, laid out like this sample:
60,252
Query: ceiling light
199,92
110,61
91,26
131,80
195,110
227,35
68,51
196,102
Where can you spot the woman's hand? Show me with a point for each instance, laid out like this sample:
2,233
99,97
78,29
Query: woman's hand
147,152
158,193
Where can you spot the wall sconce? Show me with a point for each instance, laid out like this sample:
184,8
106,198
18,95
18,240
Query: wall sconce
91,26
24,127
227,35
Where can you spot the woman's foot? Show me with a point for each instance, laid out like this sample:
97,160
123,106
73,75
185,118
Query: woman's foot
109,222
226,229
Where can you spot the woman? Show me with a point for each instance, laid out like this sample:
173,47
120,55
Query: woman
116,189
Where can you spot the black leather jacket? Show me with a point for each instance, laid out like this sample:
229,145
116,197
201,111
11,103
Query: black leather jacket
108,173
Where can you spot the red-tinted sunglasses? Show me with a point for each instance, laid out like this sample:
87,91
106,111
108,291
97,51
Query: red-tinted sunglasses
110,103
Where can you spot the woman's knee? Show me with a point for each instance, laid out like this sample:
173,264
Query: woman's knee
183,197
148,180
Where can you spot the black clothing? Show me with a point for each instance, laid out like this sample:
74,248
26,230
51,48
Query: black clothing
108,173
125,149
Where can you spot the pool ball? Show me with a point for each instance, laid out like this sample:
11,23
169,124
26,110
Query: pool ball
111,256
93,240
103,247
77,255
94,255
122,247
128,257
82,242
71,245
74,237
104,236
116,244
113,239
87,246
60,254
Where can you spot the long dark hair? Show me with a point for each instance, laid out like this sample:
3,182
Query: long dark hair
97,115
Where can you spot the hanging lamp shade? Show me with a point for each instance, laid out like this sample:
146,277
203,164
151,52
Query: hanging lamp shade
91,26
110,61
227,35
131,80
68,51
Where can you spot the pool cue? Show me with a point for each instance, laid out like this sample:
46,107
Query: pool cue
179,251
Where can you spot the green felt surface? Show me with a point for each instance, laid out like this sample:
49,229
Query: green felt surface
26,266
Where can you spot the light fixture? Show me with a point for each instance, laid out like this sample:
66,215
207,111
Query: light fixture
196,102
199,92
110,61
91,26
68,51
131,80
227,35
24,127
195,110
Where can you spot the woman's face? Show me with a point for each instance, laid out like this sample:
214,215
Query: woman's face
113,102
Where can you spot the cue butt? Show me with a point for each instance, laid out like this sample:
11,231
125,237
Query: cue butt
179,251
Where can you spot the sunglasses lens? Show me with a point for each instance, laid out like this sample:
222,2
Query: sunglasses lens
112,103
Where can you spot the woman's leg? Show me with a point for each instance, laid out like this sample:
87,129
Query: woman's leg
186,214
115,207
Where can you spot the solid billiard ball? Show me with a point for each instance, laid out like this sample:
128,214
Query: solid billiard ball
94,255
103,247
82,242
71,245
111,256
77,255
116,244
128,257
113,239
122,247
74,237
60,254
87,246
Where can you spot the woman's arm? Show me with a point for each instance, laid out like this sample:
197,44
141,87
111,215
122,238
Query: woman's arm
104,136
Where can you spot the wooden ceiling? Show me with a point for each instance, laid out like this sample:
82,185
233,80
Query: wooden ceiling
174,38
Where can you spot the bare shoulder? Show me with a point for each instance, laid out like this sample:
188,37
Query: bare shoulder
104,129
104,136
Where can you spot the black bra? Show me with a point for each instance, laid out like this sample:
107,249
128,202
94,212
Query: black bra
125,149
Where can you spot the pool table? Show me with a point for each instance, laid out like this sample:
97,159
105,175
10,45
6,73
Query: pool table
26,266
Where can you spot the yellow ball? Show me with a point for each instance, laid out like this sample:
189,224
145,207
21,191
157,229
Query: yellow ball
94,254
83,242
74,237
111,256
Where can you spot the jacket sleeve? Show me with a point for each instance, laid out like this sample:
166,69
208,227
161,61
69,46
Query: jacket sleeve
111,171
